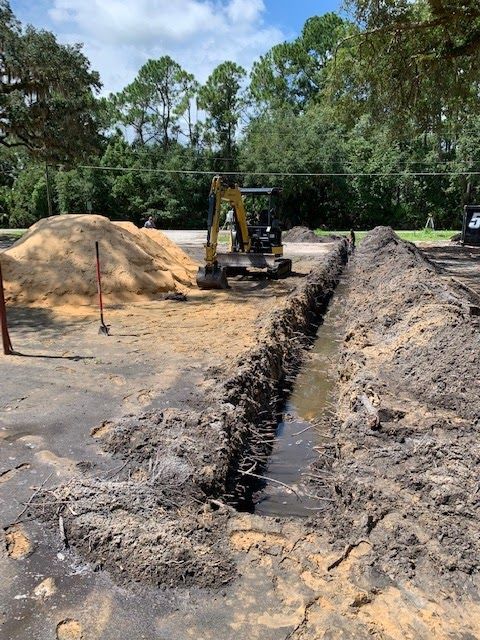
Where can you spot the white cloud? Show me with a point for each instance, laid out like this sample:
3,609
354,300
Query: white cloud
120,35
249,10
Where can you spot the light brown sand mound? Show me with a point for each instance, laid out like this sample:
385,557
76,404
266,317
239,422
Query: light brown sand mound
54,263
180,262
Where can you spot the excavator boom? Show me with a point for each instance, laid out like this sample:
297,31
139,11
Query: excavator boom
212,275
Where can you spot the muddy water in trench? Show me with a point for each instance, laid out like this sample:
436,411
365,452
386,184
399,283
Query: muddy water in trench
311,399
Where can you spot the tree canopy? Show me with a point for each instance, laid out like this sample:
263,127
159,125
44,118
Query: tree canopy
364,121
157,103
47,104
221,98
417,62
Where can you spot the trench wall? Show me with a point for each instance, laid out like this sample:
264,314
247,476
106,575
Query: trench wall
259,388
401,474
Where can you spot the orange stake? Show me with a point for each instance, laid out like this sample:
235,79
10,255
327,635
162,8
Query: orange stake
7,345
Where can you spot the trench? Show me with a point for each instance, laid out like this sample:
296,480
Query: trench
267,390
309,405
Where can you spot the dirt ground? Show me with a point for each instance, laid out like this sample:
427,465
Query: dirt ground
400,479
68,382
460,264
393,551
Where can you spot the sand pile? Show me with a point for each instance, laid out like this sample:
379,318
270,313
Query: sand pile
54,263
158,244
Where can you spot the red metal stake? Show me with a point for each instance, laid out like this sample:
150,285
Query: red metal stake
7,344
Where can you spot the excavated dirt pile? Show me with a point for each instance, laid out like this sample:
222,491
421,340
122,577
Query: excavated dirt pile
158,522
304,234
402,474
54,263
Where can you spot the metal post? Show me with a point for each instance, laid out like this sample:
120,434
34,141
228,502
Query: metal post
7,345
49,193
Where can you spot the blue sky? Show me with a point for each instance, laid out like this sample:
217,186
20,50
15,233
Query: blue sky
120,35
290,16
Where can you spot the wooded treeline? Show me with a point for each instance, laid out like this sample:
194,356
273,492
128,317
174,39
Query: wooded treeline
396,97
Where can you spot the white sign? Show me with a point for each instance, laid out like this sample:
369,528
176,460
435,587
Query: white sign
475,221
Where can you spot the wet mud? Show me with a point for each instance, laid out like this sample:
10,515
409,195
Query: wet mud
301,434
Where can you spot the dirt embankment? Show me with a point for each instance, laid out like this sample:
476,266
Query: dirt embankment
402,474
154,520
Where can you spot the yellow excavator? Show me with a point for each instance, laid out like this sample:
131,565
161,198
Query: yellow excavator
257,244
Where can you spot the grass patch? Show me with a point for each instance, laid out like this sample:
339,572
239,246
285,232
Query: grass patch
423,235
12,233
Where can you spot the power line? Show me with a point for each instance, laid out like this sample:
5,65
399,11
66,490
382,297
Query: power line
284,174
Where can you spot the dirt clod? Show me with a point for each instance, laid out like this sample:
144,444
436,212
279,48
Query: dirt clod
11,473
147,534
69,629
102,431
18,544
46,589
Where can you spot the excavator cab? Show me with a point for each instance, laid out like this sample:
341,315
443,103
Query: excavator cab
263,206
255,236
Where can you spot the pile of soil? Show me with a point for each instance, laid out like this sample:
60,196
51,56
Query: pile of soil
54,263
141,534
403,469
304,234
166,249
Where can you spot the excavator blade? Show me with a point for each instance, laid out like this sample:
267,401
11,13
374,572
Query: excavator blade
212,278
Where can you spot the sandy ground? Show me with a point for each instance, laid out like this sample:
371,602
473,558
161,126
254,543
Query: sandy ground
67,381
291,582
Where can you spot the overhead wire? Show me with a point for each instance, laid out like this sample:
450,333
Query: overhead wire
284,174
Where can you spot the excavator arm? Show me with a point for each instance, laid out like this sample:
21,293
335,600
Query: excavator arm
212,275
233,196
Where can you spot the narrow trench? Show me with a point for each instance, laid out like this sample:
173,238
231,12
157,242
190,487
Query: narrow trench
310,402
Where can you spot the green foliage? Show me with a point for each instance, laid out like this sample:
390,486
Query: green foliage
294,73
416,62
46,101
157,101
423,235
223,100
283,141
29,197
393,96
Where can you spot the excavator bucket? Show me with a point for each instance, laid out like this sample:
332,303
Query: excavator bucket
212,277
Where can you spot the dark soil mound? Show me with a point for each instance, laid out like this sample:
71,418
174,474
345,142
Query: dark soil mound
144,535
304,234
404,468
